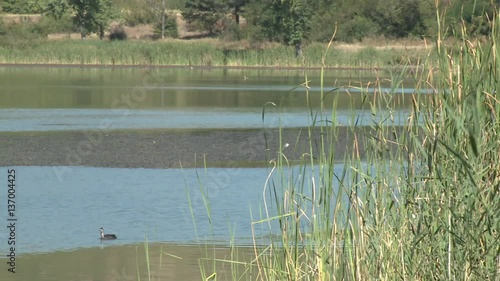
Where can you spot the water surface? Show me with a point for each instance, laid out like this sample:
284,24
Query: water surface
59,219
47,99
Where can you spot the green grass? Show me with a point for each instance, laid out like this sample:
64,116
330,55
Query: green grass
191,53
422,202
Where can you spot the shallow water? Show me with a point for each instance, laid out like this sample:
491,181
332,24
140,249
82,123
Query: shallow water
127,263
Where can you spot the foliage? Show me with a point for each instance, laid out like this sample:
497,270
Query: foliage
20,7
171,29
56,8
205,13
290,22
30,29
139,13
291,18
236,8
88,15
232,31
396,18
92,15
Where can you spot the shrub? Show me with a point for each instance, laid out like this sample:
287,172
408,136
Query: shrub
171,29
232,31
117,33
256,35
140,15
356,29
47,25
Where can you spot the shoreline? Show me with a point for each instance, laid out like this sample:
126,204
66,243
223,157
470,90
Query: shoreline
203,67
206,55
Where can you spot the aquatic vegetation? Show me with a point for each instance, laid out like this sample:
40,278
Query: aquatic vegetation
198,53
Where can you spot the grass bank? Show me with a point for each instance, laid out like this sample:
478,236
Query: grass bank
423,204
198,53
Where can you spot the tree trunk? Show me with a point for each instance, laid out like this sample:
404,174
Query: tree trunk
101,32
83,33
237,15
163,20
298,49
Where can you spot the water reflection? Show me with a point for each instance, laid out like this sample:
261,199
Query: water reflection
178,88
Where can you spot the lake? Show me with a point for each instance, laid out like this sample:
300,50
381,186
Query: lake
39,99
57,235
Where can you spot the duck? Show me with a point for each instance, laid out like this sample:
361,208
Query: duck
106,236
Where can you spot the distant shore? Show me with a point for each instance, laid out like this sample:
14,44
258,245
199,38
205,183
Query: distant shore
250,67
162,148
60,65
201,54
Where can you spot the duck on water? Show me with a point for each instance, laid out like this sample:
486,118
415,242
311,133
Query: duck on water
106,236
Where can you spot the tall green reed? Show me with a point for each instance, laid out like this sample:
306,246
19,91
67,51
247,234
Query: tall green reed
418,200
186,53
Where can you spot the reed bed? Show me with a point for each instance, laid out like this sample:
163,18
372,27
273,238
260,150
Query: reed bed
192,53
421,202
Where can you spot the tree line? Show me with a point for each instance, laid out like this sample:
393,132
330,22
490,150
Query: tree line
291,22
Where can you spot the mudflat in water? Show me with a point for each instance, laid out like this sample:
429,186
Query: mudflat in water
167,149
128,263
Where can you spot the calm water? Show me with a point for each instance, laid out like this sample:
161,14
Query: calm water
57,224
135,203
41,99
58,219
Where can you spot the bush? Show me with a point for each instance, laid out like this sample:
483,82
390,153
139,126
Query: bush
256,35
26,29
171,29
117,33
357,29
140,15
232,31
47,25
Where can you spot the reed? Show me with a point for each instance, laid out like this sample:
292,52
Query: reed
413,202
191,53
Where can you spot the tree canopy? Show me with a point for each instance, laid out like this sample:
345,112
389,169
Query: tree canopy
287,21
88,15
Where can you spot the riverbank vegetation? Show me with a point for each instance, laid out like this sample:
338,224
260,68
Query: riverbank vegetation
422,204
236,32
200,53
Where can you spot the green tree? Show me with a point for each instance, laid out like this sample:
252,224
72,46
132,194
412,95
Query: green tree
237,8
290,22
91,16
396,18
19,7
205,13
88,15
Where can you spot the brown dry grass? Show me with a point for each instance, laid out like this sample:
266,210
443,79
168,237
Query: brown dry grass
11,18
387,44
